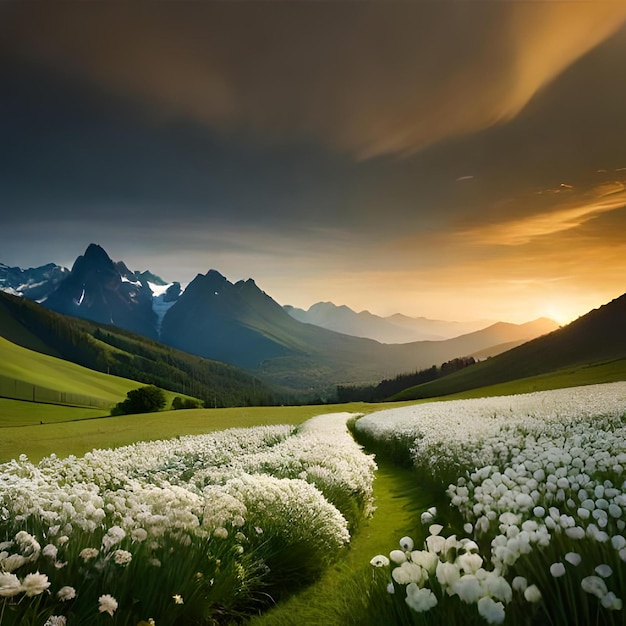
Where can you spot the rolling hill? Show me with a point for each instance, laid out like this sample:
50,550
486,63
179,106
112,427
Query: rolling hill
52,380
115,351
595,338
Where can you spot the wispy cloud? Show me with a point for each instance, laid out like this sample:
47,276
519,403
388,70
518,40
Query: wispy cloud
606,198
368,78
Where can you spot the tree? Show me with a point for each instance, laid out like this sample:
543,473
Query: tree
142,400
186,403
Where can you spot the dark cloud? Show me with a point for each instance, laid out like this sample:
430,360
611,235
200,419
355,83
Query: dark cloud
339,150
367,77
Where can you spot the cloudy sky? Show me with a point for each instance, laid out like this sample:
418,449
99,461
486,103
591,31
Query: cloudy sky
456,160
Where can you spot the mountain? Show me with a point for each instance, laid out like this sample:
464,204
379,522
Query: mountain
393,329
116,351
597,337
34,283
240,324
100,290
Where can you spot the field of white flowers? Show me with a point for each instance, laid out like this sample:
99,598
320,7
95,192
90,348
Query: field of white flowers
195,530
533,528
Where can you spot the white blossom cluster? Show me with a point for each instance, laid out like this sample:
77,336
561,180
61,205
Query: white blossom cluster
534,473
111,507
453,567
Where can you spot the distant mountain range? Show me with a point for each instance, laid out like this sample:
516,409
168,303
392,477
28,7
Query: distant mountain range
396,328
599,337
241,325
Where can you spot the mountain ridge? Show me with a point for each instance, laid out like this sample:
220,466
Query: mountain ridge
397,328
596,337
239,324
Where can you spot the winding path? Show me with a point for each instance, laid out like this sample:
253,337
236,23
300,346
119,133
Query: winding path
399,501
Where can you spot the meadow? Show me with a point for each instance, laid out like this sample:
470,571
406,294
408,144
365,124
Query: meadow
532,531
509,509
193,530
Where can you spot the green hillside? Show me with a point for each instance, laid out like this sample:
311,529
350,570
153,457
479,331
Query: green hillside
37,388
589,349
121,353
21,364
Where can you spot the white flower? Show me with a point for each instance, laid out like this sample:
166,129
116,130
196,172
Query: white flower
406,543
50,551
390,588
557,570
29,546
13,562
447,573
611,601
519,583
435,529
139,535
397,556
573,558
532,594
66,593
88,553
594,585
220,532
435,543
425,559
56,620
492,611
380,560
9,585
114,535
468,588
409,572
469,562
34,584
420,600
604,570
498,587
122,557
107,604
178,599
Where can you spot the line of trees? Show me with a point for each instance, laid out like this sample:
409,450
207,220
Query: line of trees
390,387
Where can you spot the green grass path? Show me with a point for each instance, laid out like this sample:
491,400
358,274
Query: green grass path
331,601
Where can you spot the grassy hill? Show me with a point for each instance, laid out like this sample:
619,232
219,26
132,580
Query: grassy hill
38,388
594,343
118,352
41,370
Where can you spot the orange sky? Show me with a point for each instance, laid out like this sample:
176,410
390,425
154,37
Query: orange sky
453,160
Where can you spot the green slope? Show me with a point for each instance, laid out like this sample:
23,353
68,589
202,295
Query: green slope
115,351
583,352
21,364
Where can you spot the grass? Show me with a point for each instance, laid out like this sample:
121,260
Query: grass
588,374
51,373
79,437
22,413
338,598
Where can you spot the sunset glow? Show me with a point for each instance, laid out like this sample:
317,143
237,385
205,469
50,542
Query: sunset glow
452,160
